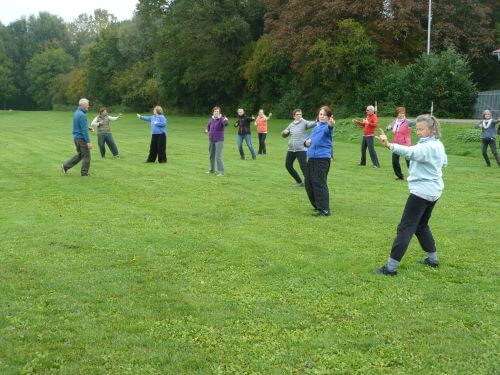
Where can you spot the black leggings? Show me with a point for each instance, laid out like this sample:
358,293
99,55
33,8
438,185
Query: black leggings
415,220
301,156
262,143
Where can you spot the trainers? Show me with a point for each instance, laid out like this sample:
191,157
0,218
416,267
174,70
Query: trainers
376,166
209,172
63,169
220,174
298,184
117,156
322,213
428,262
385,271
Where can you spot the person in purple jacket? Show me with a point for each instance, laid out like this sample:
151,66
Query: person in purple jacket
215,130
158,145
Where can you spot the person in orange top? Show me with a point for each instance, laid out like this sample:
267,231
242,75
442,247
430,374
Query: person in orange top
370,124
261,124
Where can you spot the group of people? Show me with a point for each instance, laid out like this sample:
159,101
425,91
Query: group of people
314,152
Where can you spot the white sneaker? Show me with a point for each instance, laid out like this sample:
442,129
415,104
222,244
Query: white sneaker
220,174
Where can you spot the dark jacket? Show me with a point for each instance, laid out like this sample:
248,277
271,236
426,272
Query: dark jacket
243,125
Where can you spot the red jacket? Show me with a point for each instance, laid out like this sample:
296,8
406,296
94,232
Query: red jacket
369,129
402,134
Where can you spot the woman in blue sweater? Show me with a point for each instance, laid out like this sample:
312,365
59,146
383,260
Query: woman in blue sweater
158,145
319,153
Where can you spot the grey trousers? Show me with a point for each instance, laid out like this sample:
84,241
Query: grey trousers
106,138
82,153
215,152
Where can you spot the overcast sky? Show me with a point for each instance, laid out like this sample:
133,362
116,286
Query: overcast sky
12,10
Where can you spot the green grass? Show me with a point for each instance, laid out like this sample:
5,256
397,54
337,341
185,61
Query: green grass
148,268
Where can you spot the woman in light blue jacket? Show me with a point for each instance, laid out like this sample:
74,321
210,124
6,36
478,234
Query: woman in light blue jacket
425,181
158,145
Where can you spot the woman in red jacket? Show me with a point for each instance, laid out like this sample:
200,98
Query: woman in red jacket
370,124
402,136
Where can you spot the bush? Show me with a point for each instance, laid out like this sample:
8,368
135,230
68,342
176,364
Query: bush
470,135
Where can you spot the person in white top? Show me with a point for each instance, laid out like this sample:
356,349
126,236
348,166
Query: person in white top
104,135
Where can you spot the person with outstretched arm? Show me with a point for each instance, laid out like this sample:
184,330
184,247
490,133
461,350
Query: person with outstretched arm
425,182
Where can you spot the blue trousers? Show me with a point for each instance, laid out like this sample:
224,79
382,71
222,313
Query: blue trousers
248,140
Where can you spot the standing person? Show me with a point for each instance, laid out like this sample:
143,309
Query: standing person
243,125
158,145
261,124
215,130
426,185
488,137
402,136
319,153
296,149
370,124
81,138
104,135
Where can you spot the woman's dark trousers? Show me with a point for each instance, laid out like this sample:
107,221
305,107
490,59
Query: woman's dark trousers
493,147
107,139
262,143
397,167
316,183
301,156
415,220
158,148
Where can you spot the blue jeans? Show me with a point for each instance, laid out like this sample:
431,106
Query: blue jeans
248,140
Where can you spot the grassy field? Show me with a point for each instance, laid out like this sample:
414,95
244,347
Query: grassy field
148,268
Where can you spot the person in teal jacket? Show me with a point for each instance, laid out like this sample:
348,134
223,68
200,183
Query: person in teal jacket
319,155
81,138
425,181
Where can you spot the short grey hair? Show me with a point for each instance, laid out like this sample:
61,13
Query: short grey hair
432,123
486,111
370,108
83,101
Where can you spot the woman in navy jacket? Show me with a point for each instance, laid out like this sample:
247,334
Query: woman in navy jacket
319,153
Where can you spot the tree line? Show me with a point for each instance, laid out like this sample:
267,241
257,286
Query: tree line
190,55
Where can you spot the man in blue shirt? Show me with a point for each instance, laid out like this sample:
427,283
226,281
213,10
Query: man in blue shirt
81,137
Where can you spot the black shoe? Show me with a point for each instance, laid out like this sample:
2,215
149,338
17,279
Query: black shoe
428,262
385,271
361,165
322,213
399,179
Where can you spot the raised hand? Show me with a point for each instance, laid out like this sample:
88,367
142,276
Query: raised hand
382,138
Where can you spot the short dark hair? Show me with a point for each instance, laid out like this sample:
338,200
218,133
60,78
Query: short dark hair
102,110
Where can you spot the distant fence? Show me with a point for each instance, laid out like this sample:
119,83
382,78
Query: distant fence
487,100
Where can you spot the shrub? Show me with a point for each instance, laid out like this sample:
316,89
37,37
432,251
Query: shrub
470,135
